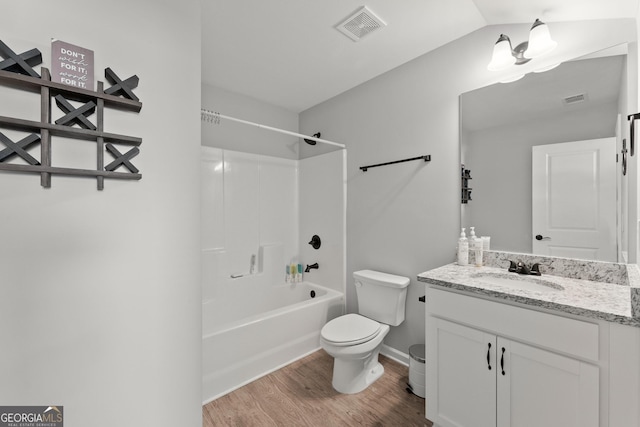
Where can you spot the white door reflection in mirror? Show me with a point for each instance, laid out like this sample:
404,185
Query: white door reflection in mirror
574,199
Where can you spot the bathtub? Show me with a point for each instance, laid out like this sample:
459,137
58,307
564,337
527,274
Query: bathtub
253,333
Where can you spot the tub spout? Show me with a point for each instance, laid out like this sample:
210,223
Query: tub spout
312,266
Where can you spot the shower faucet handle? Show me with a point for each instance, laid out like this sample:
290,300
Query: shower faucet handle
315,242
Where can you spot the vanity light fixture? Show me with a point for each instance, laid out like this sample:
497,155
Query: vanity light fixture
539,43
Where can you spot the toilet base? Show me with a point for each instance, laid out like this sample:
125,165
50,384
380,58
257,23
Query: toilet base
352,376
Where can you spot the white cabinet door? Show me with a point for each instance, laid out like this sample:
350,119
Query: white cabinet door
462,377
538,388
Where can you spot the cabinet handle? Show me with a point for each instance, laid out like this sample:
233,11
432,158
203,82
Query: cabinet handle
502,361
489,356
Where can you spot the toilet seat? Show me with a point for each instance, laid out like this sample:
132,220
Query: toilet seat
350,329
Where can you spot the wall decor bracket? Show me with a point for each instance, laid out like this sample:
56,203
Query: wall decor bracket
16,72
426,158
122,159
75,115
120,87
20,63
18,148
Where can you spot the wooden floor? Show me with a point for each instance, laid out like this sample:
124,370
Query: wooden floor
300,394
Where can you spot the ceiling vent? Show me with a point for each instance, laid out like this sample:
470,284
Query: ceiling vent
574,99
360,24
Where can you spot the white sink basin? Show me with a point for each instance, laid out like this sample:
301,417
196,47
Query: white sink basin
516,281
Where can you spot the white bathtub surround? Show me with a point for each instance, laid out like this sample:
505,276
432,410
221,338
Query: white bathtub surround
322,211
259,205
253,322
240,346
219,282
251,202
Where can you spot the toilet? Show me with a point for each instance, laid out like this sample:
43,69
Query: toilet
354,340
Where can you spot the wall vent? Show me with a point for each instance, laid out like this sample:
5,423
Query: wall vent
361,23
574,99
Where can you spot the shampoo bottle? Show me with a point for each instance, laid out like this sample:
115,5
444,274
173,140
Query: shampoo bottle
463,249
476,247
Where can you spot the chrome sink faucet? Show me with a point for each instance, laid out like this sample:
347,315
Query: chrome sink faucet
521,268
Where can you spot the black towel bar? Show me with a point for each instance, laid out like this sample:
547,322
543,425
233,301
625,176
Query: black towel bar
426,158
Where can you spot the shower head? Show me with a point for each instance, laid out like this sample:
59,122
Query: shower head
311,141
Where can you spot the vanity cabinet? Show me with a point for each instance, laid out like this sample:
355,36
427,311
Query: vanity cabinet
492,364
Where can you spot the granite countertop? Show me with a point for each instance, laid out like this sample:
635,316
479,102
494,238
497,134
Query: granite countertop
612,302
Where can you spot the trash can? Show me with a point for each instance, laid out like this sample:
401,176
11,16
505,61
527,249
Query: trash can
417,370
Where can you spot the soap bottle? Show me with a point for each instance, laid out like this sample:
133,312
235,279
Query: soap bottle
463,249
476,247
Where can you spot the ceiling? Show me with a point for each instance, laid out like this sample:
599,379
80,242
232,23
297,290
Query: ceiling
288,53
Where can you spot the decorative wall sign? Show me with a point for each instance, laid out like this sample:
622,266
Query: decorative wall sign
71,65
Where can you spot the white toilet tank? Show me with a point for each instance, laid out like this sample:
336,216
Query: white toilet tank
381,296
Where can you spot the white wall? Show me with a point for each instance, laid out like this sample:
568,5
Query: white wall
100,291
404,219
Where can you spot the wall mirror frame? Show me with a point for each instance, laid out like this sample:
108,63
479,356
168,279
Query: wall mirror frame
583,99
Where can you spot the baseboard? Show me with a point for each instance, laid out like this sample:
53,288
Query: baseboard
394,354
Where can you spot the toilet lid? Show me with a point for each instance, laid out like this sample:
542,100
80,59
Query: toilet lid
350,329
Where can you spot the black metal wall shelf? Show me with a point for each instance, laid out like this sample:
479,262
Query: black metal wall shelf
43,130
466,190
426,158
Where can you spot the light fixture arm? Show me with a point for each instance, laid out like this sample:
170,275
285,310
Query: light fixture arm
518,53
539,43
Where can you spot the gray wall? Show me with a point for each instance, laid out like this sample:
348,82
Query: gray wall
231,135
404,218
100,301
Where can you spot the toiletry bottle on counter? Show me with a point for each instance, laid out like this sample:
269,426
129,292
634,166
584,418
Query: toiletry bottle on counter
463,249
486,243
476,247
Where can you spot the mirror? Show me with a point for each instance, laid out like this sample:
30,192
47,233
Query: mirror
580,100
